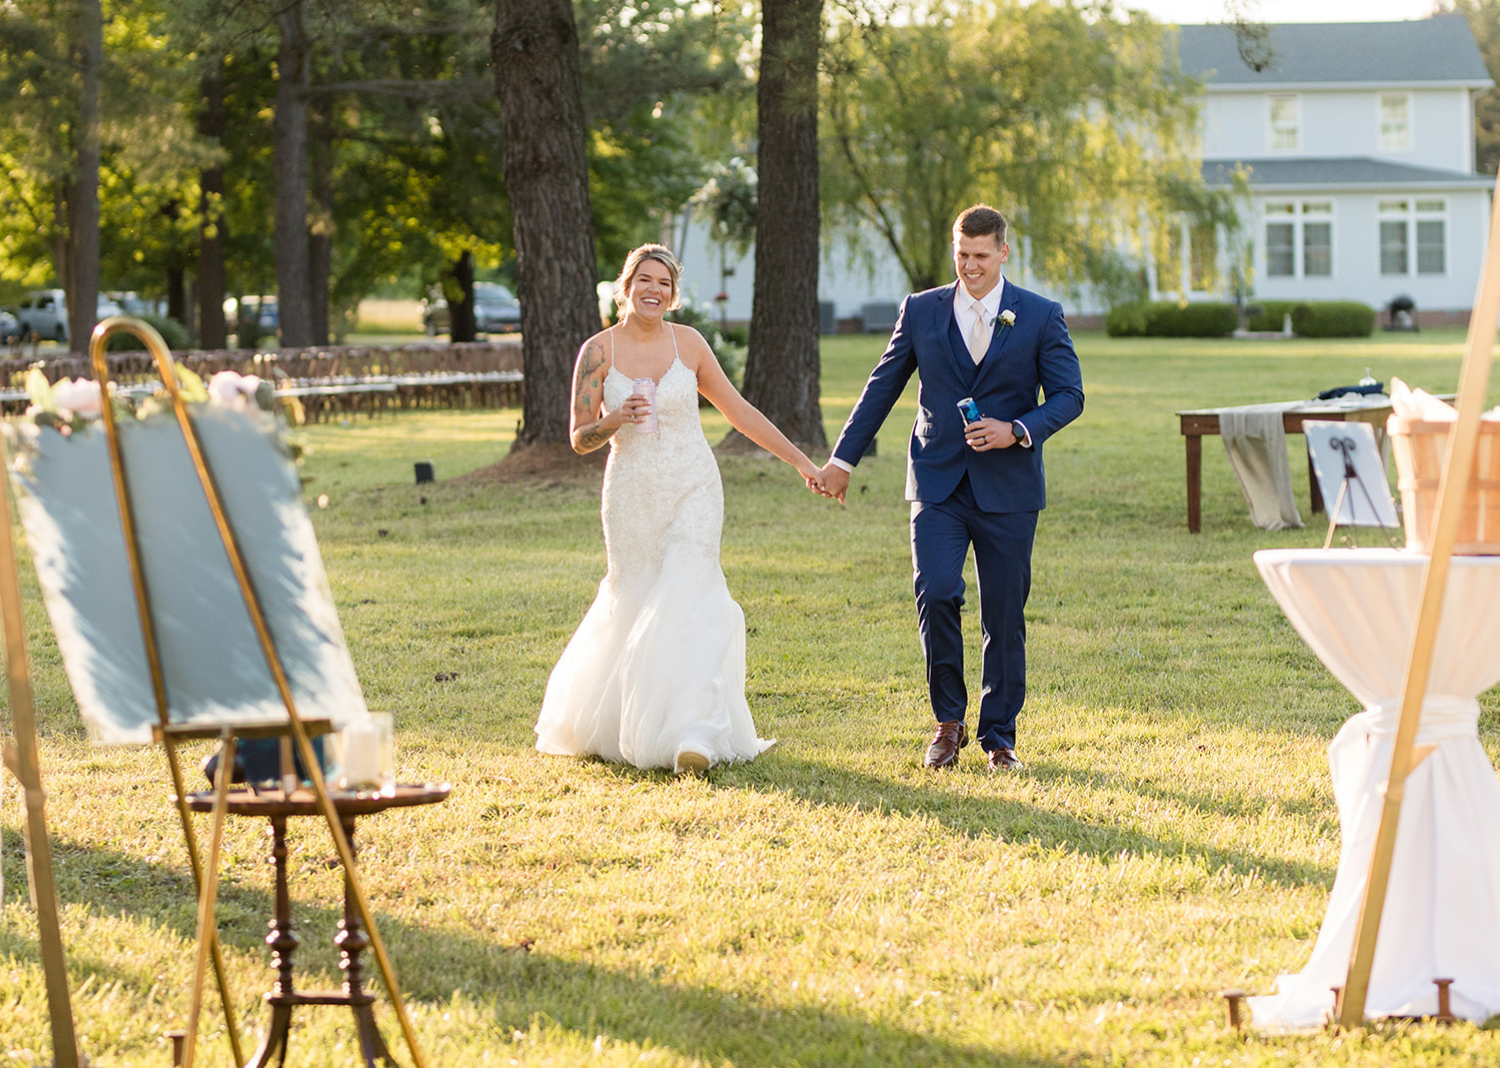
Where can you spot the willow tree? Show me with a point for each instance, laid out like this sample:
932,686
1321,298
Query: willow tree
1079,127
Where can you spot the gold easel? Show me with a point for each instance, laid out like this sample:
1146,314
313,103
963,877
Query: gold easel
299,729
20,757
1457,467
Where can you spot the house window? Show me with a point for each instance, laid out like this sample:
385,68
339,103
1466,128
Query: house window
1393,255
1395,122
1281,249
1285,127
1422,225
1299,234
1317,239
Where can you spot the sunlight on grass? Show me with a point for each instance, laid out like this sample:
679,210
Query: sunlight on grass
832,903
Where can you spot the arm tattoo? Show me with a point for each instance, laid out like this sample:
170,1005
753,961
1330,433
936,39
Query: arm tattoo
587,383
592,437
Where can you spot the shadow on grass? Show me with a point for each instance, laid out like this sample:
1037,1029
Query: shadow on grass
1025,823
524,989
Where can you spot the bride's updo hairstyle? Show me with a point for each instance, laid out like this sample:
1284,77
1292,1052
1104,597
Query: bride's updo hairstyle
662,255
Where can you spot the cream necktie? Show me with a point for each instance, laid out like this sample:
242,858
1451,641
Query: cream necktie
979,333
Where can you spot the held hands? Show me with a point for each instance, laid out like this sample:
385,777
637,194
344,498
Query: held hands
987,434
834,482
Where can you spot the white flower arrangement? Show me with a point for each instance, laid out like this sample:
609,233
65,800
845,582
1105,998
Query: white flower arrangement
1007,318
71,404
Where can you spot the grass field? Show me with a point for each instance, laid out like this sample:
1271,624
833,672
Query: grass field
832,903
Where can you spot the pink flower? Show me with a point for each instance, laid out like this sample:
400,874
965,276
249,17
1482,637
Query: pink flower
234,390
78,395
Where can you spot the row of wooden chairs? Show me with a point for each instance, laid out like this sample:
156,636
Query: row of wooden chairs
330,382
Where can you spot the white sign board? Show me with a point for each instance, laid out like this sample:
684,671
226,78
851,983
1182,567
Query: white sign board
1351,473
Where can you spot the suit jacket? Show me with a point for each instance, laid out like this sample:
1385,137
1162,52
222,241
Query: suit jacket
1025,362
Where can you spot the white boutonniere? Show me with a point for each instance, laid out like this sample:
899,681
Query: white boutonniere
1005,319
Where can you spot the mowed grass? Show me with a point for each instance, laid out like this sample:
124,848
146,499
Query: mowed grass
832,903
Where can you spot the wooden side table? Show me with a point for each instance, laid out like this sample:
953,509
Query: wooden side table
1198,423
351,939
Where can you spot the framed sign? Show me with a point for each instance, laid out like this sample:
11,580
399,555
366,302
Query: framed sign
1351,473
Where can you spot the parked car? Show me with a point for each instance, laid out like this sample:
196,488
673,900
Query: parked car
132,303
496,311
45,312
10,326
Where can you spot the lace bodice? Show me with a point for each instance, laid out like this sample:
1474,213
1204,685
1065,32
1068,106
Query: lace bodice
661,489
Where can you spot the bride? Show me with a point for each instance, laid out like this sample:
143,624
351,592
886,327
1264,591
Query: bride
655,674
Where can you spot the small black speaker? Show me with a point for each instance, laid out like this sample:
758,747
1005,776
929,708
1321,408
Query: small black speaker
424,472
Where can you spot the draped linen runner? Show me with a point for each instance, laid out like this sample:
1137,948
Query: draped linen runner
1357,610
1255,442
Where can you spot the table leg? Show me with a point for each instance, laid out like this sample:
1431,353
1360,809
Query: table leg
1194,444
1314,491
283,941
352,942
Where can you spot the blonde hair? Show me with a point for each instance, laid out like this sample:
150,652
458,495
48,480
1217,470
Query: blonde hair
662,255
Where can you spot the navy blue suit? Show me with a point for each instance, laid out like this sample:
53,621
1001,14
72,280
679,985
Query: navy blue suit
961,497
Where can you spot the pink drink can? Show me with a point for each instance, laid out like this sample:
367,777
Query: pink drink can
646,387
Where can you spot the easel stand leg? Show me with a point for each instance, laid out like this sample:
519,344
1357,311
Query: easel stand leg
207,926
20,757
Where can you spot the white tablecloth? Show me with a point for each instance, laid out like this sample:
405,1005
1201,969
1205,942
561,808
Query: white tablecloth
1358,609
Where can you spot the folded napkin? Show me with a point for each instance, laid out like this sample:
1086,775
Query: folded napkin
1373,389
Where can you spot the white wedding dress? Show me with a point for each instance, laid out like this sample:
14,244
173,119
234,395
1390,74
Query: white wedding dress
658,663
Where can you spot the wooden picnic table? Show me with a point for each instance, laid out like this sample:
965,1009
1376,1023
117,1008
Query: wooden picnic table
1200,422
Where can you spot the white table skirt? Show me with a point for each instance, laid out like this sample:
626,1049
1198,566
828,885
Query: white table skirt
1357,609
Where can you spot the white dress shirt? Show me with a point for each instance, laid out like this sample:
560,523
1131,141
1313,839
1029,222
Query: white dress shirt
964,314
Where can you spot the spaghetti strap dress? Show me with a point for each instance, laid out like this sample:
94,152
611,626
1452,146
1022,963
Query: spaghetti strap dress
658,663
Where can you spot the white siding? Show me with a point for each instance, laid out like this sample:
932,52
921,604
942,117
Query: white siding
1356,263
1342,123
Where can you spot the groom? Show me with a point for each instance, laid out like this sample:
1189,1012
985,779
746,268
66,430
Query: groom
973,482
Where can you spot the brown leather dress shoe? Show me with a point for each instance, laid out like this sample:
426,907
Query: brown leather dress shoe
1004,760
949,739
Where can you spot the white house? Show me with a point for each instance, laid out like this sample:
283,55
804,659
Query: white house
1359,142
1358,139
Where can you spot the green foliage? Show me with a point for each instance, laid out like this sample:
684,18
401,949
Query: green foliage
648,70
171,331
730,197
1333,318
149,148
728,345
1315,318
1070,124
1171,319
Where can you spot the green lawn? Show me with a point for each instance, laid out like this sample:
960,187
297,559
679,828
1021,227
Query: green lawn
832,903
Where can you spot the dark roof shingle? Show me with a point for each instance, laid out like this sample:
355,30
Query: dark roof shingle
1437,49
1339,172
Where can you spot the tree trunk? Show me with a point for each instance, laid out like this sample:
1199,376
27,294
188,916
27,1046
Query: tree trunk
461,325
293,284
213,332
535,52
782,367
177,292
83,192
320,236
